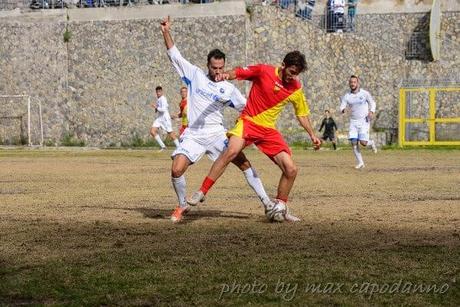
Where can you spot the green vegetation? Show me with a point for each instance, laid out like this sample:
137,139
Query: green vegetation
15,141
139,142
69,140
67,34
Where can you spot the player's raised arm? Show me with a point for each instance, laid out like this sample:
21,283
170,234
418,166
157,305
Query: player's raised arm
165,29
185,69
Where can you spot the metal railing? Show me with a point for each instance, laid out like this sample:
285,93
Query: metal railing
338,19
59,4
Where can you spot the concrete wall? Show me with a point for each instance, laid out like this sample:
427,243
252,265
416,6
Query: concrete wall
98,86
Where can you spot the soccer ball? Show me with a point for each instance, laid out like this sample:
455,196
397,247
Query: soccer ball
276,211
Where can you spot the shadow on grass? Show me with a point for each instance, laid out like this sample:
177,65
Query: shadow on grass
193,215
196,213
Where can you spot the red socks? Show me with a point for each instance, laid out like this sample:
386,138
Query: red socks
206,185
283,199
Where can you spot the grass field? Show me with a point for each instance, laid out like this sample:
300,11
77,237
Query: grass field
92,228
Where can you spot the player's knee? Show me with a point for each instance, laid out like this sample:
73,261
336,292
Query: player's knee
177,171
230,154
291,171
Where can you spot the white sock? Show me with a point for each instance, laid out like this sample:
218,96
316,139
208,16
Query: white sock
159,141
176,142
370,144
357,152
256,184
179,186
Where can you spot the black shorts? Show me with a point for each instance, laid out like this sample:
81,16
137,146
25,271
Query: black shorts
331,137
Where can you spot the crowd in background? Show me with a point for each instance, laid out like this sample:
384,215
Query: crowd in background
339,15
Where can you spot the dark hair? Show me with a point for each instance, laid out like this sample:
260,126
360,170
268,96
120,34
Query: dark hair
295,58
216,54
327,111
158,88
354,76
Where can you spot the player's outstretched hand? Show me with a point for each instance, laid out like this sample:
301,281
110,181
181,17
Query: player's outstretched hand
222,76
316,142
166,24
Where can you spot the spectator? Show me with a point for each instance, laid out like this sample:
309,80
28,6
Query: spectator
339,10
351,14
330,16
305,8
284,4
302,9
310,7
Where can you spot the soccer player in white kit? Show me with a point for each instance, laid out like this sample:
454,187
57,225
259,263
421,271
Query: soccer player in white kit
362,107
163,120
205,133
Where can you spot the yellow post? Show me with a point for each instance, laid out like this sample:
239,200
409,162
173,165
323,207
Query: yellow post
431,120
402,117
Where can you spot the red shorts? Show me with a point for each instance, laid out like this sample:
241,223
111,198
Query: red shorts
268,140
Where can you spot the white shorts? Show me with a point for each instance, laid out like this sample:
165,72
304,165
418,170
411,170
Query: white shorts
163,124
194,145
359,130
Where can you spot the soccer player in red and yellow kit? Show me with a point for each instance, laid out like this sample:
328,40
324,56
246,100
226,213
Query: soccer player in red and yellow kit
183,110
272,88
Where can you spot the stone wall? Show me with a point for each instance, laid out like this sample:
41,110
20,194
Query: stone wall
379,60
127,60
97,87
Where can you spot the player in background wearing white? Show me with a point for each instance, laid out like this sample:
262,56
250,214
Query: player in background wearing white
205,133
362,107
163,120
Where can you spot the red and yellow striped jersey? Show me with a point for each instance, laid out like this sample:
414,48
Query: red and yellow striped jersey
183,112
268,95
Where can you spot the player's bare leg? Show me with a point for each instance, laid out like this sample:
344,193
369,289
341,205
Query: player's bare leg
369,144
173,137
235,146
289,173
178,168
156,136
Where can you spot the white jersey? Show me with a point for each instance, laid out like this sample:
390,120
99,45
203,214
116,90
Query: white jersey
206,99
163,109
360,103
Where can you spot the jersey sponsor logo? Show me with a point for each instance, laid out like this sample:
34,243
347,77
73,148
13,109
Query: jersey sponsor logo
208,95
221,90
212,85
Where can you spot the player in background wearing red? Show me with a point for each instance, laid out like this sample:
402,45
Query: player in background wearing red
182,110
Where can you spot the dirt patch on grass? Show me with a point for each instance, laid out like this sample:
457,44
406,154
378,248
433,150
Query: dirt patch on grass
93,228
